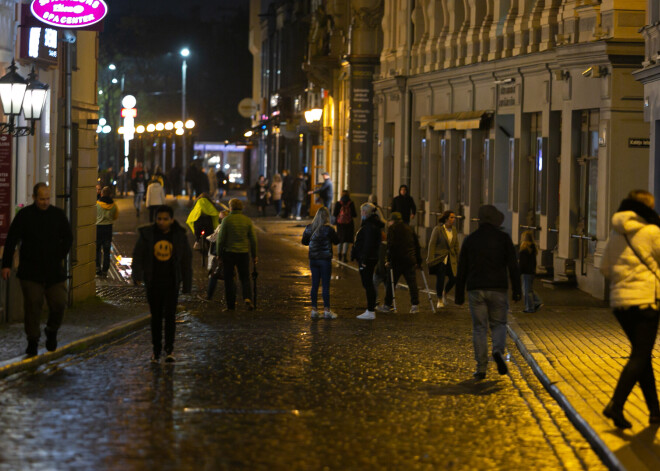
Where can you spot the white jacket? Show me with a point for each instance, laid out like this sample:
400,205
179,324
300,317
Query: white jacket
155,195
631,281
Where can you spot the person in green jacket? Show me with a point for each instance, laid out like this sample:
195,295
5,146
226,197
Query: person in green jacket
236,243
106,214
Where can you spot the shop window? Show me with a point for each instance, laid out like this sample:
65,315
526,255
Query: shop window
536,163
423,176
462,183
485,171
443,170
588,172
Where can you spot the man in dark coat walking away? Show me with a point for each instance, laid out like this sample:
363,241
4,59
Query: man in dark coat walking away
365,252
403,257
404,204
485,258
287,192
46,238
162,258
325,191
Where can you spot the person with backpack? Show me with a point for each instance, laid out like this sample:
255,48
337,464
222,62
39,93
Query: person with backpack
320,236
344,213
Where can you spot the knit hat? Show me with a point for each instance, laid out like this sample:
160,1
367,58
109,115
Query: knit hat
396,216
489,214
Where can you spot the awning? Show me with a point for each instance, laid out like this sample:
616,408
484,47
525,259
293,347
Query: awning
463,120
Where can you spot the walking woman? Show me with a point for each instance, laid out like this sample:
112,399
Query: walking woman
320,236
527,262
344,212
442,257
276,193
262,195
631,262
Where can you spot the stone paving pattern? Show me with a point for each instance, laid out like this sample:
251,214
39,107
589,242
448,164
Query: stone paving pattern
270,389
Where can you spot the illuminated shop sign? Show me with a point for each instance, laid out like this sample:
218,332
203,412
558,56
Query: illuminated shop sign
69,13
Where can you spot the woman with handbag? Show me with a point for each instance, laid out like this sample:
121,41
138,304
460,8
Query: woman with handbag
215,266
631,262
442,257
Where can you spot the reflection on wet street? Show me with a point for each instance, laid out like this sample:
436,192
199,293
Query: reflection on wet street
271,389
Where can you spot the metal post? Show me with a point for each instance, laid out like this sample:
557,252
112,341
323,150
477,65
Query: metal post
68,153
184,150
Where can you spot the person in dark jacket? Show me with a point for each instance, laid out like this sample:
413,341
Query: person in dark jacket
298,194
344,213
45,236
325,191
404,204
320,236
162,259
403,257
287,192
106,214
527,261
483,262
365,252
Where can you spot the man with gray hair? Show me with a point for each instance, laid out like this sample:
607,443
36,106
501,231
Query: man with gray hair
365,252
485,258
46,238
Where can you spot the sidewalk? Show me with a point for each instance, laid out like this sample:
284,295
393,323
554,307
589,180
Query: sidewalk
577,349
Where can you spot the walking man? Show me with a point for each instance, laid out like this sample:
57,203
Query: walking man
403,257
162,258
325,190
237,241
486,256
106,214
46,238
404,204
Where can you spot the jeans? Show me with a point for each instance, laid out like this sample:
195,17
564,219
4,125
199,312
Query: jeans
162,298
278,207
440,286
240,260
296,208
531,298
152,212
33,302
103,244
366,276
137,201
488,308
641,327
410,275
321,271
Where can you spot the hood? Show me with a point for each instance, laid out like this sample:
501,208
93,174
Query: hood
489,214
627,222
375,220
105,204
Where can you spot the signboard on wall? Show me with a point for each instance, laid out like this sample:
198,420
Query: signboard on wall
361,128
5,186
69,13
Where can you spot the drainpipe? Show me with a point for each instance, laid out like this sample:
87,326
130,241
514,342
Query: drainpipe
69,40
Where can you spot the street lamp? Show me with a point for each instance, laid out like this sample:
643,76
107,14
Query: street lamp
185,52
16,94
313,115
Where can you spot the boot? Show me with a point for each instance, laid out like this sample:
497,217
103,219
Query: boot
616,414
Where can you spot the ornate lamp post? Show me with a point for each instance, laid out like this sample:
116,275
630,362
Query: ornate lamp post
18,94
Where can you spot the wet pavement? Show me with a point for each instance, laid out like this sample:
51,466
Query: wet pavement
270,389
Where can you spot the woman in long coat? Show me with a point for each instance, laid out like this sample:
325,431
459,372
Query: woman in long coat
344,213
442,257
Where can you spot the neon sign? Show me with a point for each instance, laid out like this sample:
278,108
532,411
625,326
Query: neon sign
69,13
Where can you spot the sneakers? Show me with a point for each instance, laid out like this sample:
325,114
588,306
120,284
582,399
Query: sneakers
51,340
170,358
249,305
440,304
414,309
298,218
501,364
538,306
385,308
329,315
367,315
155,358
32,348
444,299
314,315
616,414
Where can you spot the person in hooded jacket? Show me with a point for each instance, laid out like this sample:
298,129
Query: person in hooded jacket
485,258
344,212
106,214
631,262
365,252
404,204
162,259
320,236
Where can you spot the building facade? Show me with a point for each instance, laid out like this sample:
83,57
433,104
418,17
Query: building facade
43,155
527,105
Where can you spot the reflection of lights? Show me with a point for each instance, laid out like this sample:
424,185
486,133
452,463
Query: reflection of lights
112,67
179,132
160,127
102,121
226,166
235,176
120,130
139,129
114,80
169,126
178,125
248,134
190,124
151,127
107,129
215,159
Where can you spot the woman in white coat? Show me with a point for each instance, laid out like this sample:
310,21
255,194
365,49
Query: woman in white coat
155,197
631,261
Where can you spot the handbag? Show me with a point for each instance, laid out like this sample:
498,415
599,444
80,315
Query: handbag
218,268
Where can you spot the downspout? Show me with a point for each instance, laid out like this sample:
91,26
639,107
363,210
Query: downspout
407,119
68,152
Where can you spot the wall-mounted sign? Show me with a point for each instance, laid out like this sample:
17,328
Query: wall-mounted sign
69,13
639,142
5,186
508,95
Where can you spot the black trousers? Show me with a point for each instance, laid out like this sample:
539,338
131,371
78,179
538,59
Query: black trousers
242,262
641,327
440,286
103,244
367,278
410,275
162,298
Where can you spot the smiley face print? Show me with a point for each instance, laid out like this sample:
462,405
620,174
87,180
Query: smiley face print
163,250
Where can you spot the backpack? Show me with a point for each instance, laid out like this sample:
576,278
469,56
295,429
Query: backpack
345,215
203,224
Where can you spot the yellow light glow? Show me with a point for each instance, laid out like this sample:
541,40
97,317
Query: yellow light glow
248,134
120,130
139,129
160,127
169,126
179,132
190,124
151,127
178,125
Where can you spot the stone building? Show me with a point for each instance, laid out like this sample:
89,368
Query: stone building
527,105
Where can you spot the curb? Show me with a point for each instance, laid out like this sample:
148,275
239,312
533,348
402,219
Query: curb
522,341
15,365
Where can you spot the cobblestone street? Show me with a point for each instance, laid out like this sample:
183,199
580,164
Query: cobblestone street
271,389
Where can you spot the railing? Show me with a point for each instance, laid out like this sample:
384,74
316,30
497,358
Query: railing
583,251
